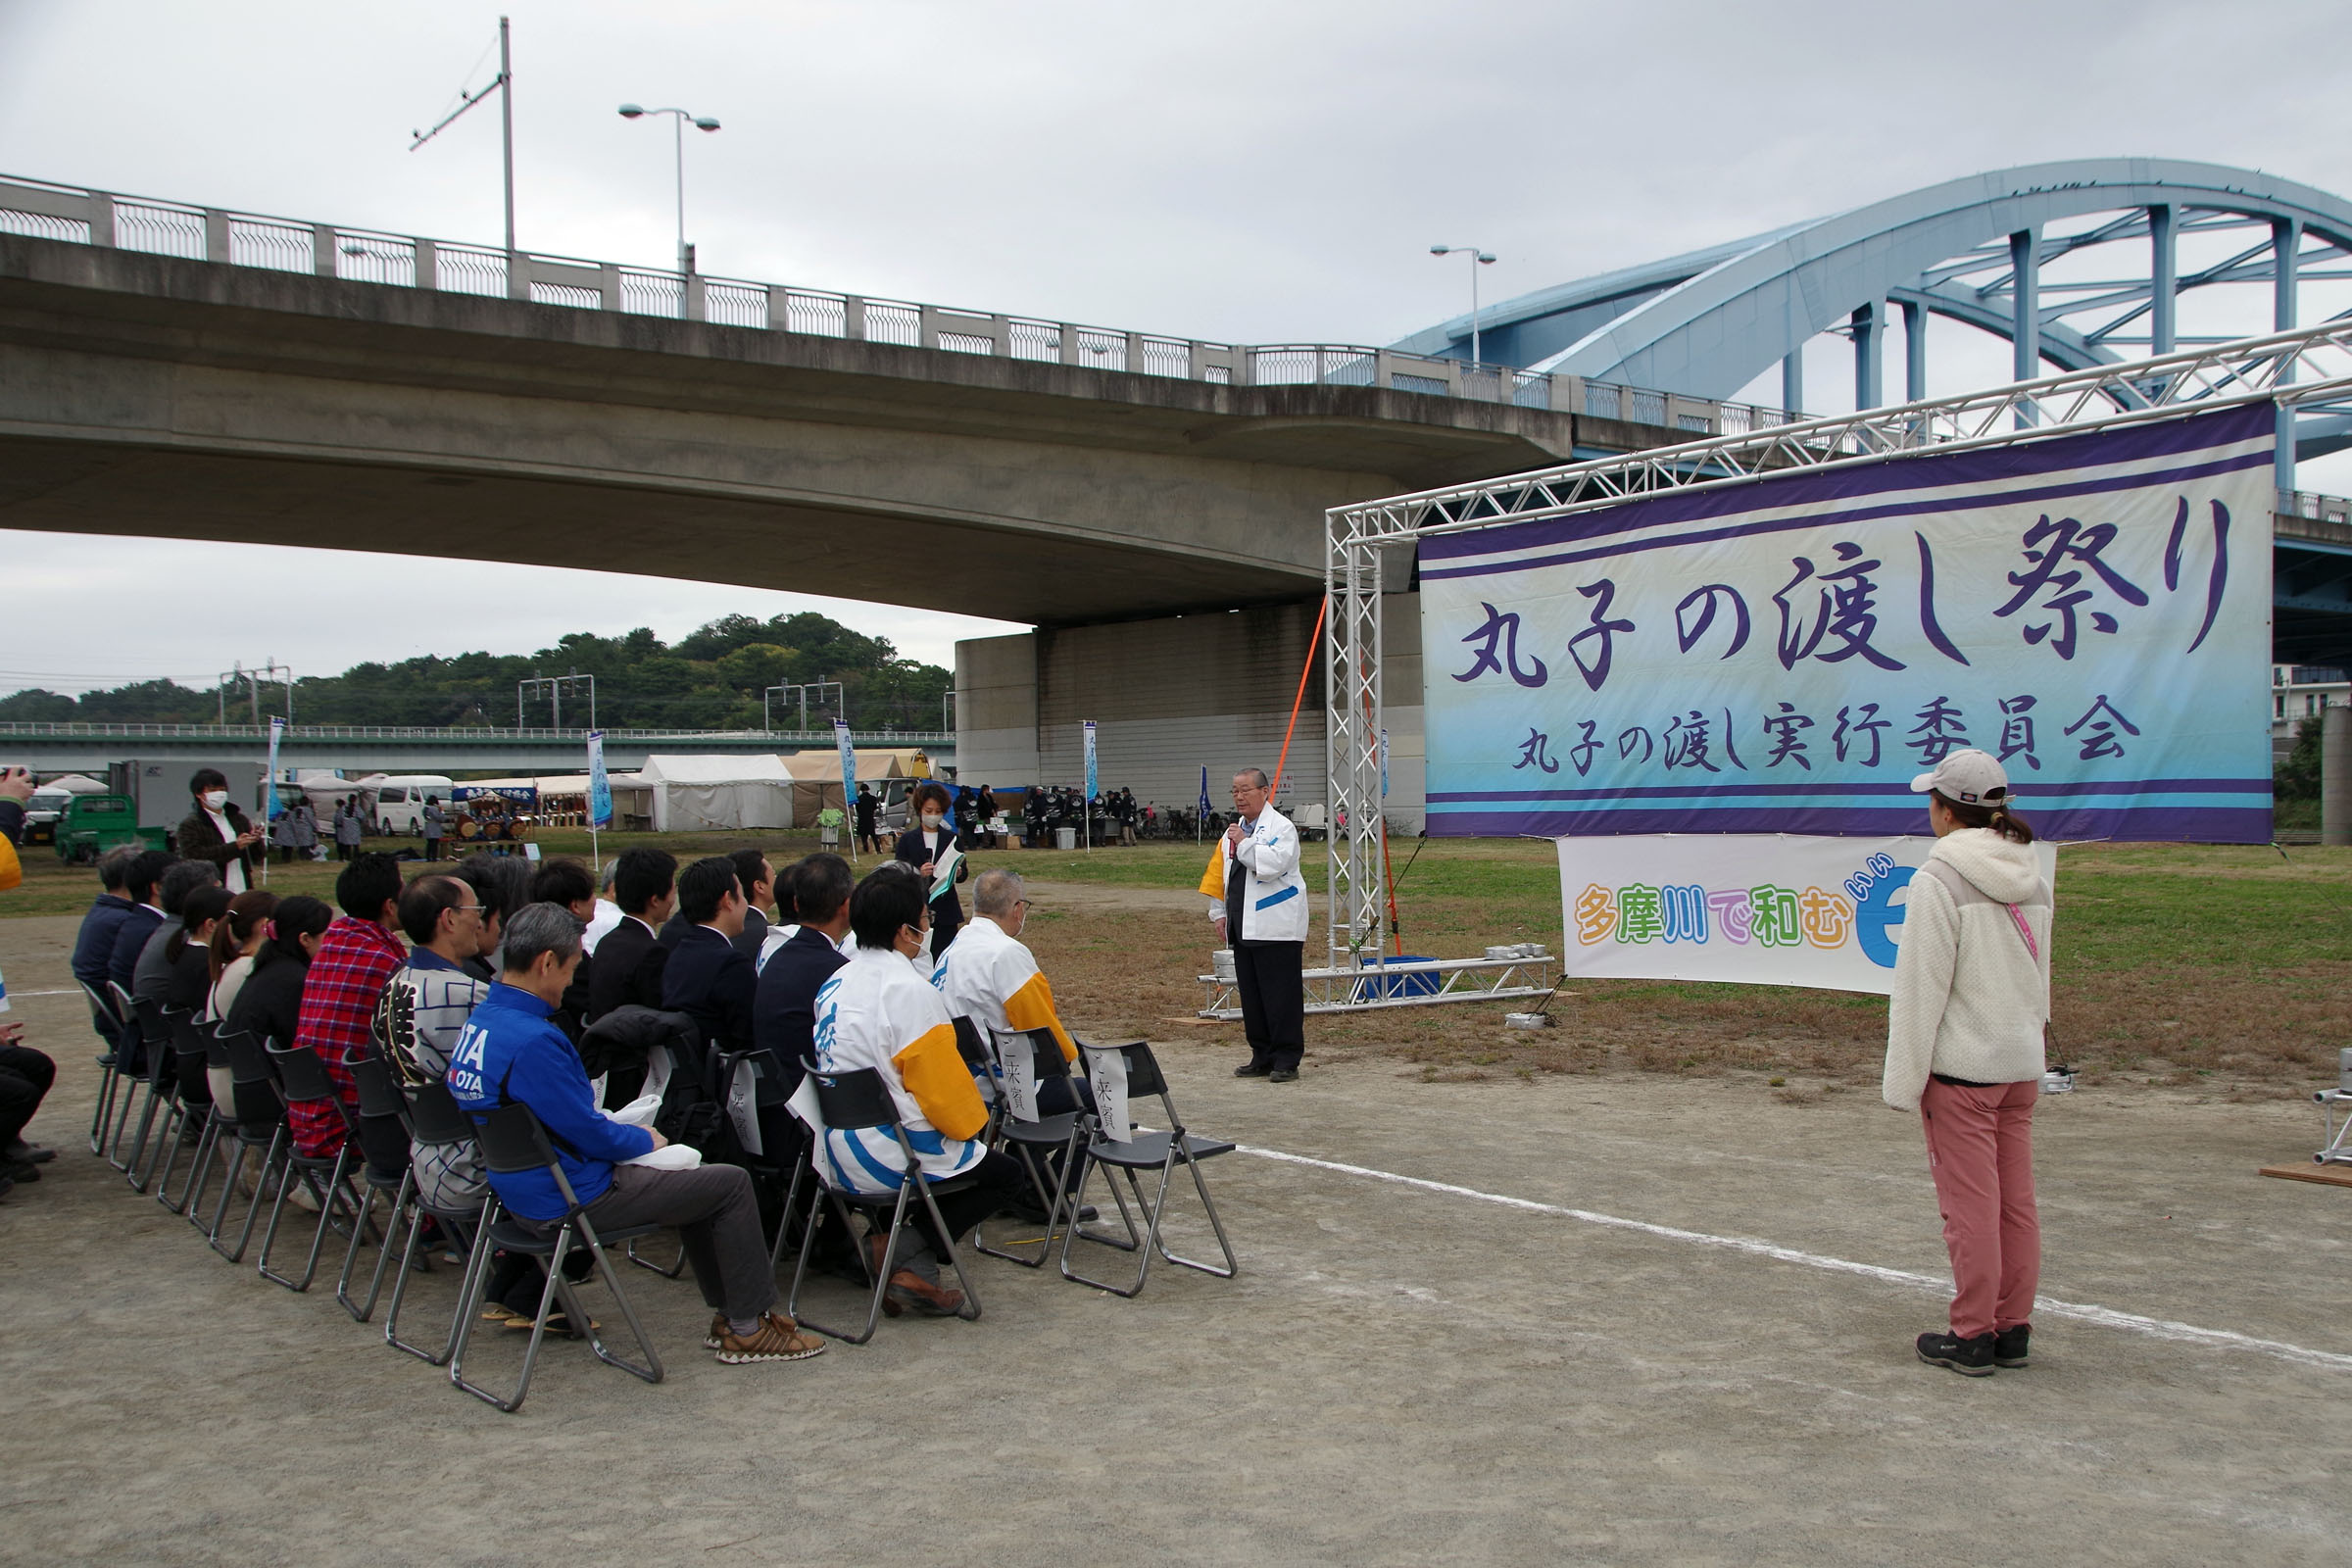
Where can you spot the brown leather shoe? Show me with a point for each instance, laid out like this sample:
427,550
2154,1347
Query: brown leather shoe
931,1300
777,1339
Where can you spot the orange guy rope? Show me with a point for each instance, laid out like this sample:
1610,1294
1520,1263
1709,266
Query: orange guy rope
1314,643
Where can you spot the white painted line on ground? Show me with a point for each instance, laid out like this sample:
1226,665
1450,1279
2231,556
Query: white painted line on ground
2043,1305
42,992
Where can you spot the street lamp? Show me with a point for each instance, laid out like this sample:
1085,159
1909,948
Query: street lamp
1482,259
679,119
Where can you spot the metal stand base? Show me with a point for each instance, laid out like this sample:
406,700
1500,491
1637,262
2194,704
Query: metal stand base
1421,983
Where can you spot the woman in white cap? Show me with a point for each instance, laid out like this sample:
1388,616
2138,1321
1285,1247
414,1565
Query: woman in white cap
1964,1049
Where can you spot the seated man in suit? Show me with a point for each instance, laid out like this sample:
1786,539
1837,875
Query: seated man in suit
707,977
629,958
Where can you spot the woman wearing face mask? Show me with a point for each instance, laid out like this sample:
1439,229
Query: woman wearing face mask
217,831
924,846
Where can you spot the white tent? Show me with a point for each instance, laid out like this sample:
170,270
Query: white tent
693,794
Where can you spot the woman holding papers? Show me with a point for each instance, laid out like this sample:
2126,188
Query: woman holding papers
930,846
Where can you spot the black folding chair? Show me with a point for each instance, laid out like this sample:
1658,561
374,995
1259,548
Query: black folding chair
381,1129
1146,1151
155,1071
972,1044
512,1142
261,1130
1032,1144
109,1026
221,1121
859,1100
434,1122
191,1097
130,1062
302,1080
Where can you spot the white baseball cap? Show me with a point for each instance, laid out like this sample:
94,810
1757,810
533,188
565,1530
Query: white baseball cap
1971,777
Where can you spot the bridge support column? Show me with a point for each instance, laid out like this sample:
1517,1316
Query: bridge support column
1915,351
2164,279
1869,325
2025,317
2335,776
1792,380
2287,244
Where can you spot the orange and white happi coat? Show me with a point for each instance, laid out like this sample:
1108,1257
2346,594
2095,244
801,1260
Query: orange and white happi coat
879,1011
991,979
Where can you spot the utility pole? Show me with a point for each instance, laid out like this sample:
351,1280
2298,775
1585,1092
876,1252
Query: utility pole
504,86
554,686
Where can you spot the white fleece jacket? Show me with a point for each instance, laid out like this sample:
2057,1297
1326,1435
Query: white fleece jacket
1970,1001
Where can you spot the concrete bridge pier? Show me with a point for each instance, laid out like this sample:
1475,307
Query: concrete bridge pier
1172,694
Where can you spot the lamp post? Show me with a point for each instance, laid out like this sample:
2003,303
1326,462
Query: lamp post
678,121
1478,259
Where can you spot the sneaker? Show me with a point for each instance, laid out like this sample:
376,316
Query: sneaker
777,1339
23,1170
1251,1069
30,1154
718,1330
1971,1358
930,1299
2009,1345
1283,1075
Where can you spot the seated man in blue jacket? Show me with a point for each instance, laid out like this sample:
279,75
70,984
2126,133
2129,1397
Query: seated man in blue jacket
511,1053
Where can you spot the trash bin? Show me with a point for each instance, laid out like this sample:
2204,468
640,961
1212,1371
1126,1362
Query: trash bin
1065,838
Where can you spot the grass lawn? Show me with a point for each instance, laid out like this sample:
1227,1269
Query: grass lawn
2175,963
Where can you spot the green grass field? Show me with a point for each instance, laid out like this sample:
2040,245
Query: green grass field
2173,963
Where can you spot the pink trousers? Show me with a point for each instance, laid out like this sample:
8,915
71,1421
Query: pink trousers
1981,1151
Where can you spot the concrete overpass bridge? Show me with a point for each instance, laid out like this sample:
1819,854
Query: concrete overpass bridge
1152,504
358,749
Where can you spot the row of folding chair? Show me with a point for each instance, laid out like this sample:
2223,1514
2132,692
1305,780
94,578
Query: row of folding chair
155,1087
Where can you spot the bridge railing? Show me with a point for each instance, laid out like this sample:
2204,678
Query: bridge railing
79,216
881,739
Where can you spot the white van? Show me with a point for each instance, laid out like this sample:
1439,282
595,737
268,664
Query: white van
400,801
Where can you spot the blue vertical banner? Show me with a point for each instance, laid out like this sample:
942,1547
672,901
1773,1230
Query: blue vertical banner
278,733
600,787
1090,760
848,779
1783,654
1384,765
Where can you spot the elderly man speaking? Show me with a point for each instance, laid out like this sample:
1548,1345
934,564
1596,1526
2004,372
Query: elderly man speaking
1260,912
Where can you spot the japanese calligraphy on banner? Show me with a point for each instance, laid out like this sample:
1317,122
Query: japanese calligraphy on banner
1784,655
1755,909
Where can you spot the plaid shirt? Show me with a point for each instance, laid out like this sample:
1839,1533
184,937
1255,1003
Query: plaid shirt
338,1006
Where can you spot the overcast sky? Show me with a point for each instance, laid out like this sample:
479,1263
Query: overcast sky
1261,171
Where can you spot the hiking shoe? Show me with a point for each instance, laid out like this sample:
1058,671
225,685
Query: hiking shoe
1971,1358
777,1339
2009,1347
908,1289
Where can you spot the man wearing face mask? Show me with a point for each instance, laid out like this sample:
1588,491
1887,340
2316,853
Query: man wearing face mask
925,847
218,833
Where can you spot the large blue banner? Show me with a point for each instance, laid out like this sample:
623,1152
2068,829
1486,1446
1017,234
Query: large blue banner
1784,655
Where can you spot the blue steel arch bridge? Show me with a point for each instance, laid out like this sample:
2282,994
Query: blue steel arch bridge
2072,266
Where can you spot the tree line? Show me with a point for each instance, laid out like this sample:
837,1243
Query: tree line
712,679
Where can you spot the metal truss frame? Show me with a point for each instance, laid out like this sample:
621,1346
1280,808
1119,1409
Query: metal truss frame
2301,369
1343,988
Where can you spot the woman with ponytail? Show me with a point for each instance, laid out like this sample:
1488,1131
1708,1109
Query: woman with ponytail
236,938
1964,1049
270,999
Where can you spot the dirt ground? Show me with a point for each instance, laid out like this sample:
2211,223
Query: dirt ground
1606,1315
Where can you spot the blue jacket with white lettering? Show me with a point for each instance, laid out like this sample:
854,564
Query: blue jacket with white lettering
511,1053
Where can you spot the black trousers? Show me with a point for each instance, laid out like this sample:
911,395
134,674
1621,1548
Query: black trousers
1271,980
996,1182
26,1075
